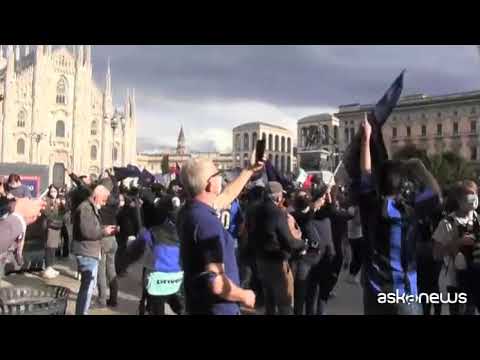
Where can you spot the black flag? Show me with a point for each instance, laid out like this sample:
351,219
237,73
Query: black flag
377,119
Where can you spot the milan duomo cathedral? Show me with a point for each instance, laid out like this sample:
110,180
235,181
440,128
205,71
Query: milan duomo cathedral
53,113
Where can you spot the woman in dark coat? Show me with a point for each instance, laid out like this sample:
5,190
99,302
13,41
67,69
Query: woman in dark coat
54,213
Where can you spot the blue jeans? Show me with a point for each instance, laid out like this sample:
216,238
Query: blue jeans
88,269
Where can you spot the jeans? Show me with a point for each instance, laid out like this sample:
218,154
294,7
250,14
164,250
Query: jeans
107,275
277,282
357,247
320,283
88,268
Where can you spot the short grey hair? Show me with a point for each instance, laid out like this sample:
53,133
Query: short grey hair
194,176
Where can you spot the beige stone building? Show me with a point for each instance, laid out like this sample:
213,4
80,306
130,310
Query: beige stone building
433,123
153,162
318,142
279,143
54,114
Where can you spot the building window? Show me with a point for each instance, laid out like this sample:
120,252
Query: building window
325,135
93,128
283,144
21,119
61,91
473,126
21,147
270,157
473,111
289,145
473,153
289,164
254,140
335,134
264,136
276,142
246,145
282,164
439,130
346,136
455,128
409,131
276,161
93,152
439,115
60,129
238,144
424,130
270,142
352,134
455,113
394,132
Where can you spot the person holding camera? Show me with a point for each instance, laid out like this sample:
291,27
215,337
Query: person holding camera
54,213
457,238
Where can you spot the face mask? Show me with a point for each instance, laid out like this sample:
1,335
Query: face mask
469,203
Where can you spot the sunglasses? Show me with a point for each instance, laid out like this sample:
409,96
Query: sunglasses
220,172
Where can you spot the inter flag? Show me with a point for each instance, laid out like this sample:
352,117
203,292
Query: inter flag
377,119
274,175
130,171
165,164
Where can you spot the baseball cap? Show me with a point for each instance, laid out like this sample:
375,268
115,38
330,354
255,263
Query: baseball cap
275,187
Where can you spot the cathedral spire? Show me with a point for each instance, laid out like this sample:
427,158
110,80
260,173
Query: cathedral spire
108,80
88,54
181,142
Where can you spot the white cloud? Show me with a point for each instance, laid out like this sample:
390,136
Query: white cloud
208,124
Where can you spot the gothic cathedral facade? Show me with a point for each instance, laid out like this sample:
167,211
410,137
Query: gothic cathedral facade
54,114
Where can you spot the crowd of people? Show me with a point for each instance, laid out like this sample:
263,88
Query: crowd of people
213,243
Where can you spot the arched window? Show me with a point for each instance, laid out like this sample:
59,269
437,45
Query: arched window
282,164
246,145
276,161
21,119
270,157
21,147
270,142
93,128
115,154
289,164
254,140
283,144
61,91
238,144
60,129
325,135
289,146
264,136
276,142
93,152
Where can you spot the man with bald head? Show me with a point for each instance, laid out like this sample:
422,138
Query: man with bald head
87,235
211,277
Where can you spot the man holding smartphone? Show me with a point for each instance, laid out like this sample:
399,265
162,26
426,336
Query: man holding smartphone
88,233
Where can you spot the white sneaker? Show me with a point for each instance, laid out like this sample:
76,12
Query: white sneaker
50,273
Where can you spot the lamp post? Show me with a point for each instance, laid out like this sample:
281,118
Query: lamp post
37,137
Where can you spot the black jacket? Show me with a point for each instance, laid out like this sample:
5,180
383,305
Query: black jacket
272,236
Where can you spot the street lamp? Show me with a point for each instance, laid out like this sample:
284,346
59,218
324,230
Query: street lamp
114,122
37,137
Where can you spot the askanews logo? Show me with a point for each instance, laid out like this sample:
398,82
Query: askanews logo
422,298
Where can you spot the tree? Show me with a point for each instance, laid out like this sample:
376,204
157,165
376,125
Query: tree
447,168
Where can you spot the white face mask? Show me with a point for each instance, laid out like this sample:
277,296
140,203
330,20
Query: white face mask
470,202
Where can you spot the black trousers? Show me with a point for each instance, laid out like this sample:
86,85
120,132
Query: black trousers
320,282
428,272
249,277
357,246
156,304
301,269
